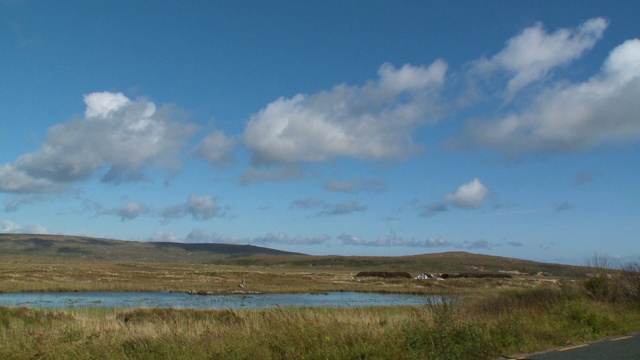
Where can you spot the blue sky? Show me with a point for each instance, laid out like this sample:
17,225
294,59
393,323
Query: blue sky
326,127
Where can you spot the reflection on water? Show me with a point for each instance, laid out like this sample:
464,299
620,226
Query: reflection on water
181,300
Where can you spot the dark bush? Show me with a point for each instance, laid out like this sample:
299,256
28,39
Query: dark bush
384,274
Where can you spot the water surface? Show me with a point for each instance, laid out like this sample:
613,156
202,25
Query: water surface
181,300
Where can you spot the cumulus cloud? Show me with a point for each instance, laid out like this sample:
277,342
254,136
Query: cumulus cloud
373,121
217,148
7,226
468,196
202,236
356,240
130,210
571,117
431,242
530,55
126,212
199,207
119,135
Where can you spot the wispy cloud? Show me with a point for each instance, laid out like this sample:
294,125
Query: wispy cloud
563,206
356,186
270,239
283,239
480,244
341,208
570,117
532,54
217,148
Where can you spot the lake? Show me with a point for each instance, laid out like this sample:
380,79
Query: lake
186,301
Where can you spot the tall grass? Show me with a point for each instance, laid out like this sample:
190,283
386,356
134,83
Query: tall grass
502,322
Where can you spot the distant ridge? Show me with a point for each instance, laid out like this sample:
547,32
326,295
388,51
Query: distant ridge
67,248
64,246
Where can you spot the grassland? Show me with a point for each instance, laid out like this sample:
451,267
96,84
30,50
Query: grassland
521,314
505,322
65,263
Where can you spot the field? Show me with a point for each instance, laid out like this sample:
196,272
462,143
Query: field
530,307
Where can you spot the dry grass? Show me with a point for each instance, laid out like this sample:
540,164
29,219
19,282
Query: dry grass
46,274
506,322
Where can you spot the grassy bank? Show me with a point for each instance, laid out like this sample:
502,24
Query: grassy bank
482,327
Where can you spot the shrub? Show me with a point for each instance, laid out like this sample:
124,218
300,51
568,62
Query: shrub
384,274
446,337
622,285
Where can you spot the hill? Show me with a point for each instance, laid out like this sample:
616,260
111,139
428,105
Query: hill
73,247
78,247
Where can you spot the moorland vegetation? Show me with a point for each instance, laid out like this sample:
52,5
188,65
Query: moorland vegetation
532,310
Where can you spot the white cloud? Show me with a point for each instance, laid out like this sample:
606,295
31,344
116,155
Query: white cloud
393,240
604,109
436,241
202,207
217,148
530,55
131,210
431,242
199,207
469,196
353,240
283,239
117,134
383,240
102,104
8,226
201,236
373,121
